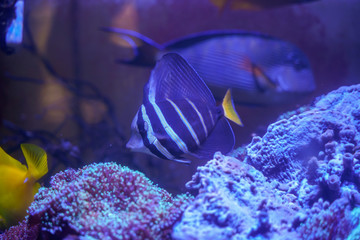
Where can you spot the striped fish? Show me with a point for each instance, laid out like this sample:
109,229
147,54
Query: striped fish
179,118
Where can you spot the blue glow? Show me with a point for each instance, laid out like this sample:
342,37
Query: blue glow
15,31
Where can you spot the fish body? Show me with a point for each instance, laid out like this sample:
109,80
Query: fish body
259,69
18,183
179,118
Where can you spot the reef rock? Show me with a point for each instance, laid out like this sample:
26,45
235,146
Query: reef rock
301,180
328,130
103,201
235,201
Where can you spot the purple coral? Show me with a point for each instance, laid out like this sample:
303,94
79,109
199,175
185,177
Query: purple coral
22,231
334,182
328,222
305,184
236,202
324,131
105,201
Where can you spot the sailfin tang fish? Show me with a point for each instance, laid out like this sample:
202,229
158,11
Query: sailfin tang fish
18,183
179,116
259,69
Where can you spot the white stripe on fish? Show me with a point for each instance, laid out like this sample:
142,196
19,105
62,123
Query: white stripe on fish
150,136
185,121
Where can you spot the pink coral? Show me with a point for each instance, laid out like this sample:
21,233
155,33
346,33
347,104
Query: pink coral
328,222
23,231
105,201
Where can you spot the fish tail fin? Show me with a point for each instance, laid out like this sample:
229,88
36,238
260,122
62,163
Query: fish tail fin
144,53
36,159
229,109
7,160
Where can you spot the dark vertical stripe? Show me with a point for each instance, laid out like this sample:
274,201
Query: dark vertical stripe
175,122
160,132
193,117
143,132
209,119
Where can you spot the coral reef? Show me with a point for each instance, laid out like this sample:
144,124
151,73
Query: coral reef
235,202
104,201
301,180
330,127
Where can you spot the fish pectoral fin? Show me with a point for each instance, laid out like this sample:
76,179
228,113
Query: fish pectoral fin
229,109
220,139
263,82
36,159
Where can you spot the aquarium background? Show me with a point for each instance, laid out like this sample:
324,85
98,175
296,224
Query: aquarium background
63,90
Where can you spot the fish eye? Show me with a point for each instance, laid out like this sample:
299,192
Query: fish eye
300,65
219,113
296,60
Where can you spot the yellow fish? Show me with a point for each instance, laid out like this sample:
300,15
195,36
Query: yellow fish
18,183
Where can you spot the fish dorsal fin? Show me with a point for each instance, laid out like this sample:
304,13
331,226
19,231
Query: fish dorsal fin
36,159
173,78
7,160
229,109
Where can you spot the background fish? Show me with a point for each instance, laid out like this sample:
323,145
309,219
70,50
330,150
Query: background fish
18,183
254,4
259,69
178,118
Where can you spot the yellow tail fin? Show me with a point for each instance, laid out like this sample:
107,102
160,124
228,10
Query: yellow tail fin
36,159
7,160
229,109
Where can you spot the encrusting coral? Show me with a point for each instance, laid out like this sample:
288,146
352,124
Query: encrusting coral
104,201
236,202
301,180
